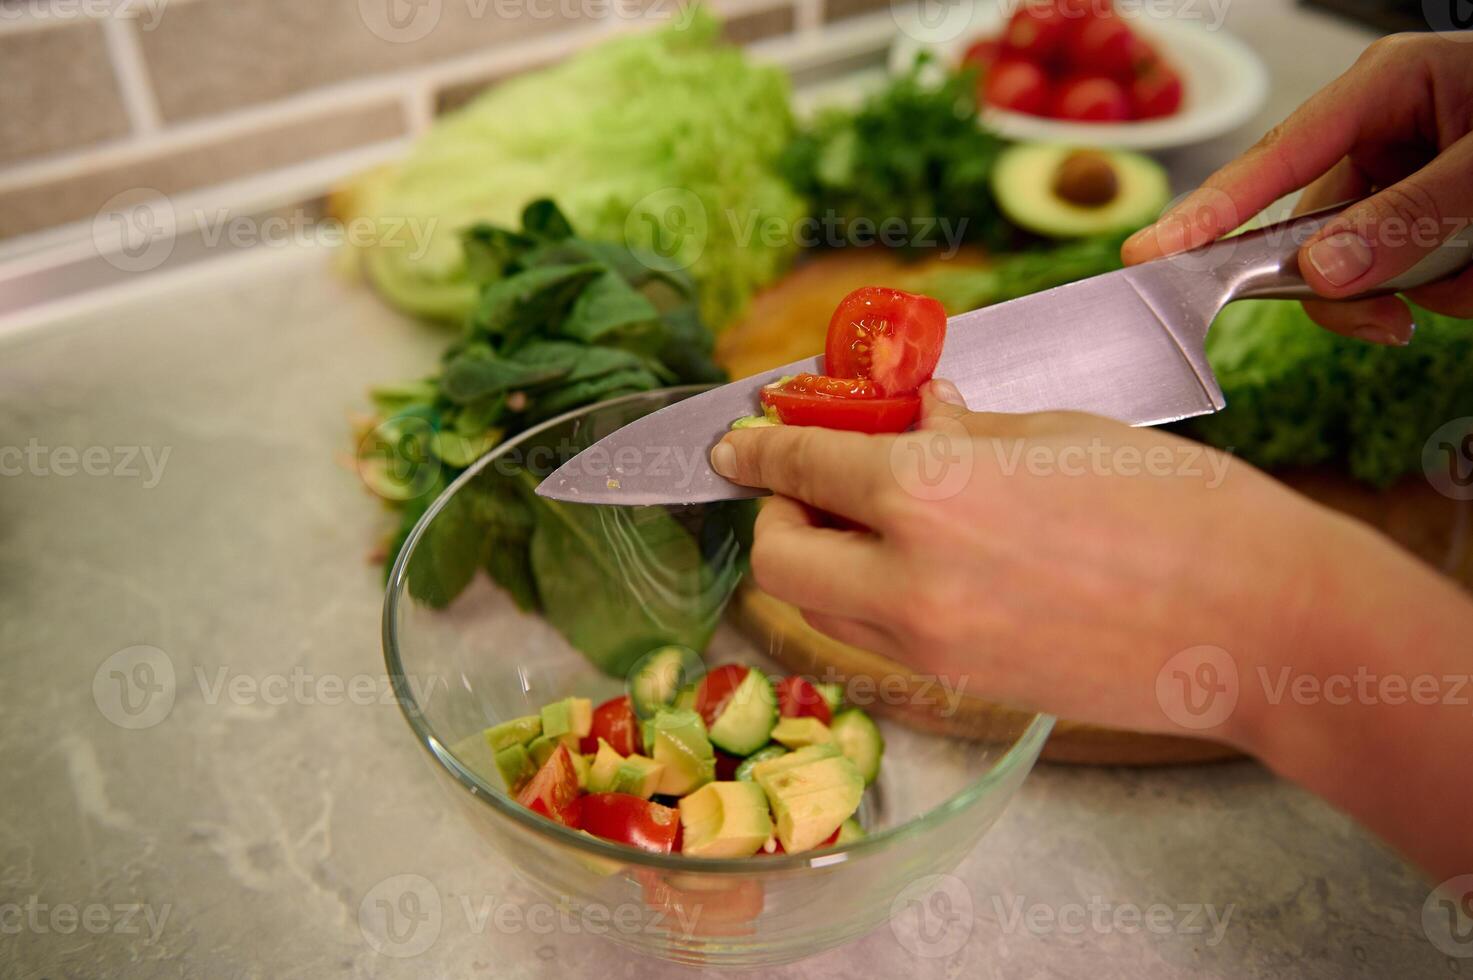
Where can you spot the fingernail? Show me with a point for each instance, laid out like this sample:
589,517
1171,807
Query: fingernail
1341,258
947,392
723,459
1373,334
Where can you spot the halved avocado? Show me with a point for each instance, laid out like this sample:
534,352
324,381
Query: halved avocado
1072,192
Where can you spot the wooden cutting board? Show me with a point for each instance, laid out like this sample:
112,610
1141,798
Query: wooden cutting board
788,321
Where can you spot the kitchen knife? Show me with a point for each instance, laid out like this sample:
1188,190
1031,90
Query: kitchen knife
1129,345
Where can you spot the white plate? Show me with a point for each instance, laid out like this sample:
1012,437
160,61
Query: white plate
1224,83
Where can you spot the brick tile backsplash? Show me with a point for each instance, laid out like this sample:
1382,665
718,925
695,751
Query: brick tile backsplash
57,90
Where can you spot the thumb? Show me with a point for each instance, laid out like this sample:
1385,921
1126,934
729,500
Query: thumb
940,399
1390,231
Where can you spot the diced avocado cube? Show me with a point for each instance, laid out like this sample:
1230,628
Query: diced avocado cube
581,768
744,770
803,756
724,820
543,745
638,775
515,766
849,832
796,733
810,799
606,763
860,739
518,731
746,721
682,747
570,716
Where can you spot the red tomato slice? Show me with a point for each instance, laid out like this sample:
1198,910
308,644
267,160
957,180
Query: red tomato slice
716,689
1018,86
628,819
797,698
887,335
615,723
855,414
1091,98
553,787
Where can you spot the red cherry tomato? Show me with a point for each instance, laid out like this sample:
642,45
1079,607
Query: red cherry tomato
801,406
1018,86
553,787
615,723
887,335
726,765
982,53
628,819
1091,98
1102,45
716,689
797,698
1037,30
1156,92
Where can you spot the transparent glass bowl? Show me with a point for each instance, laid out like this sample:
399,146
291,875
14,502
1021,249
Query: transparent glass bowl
461,664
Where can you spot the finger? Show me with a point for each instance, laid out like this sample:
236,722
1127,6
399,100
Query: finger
853,632
840,472
1389,232
940,399
817,568
1450,297
1381,320
1344,182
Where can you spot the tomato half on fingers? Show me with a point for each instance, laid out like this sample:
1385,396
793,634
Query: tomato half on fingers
628,819
801,401
888,336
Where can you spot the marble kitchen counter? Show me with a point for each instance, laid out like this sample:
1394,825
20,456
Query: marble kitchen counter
223,802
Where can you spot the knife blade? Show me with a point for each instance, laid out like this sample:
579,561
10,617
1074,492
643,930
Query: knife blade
1128,345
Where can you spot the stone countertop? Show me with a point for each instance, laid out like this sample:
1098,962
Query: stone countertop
183,490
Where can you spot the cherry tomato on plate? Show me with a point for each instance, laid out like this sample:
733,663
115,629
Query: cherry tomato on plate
553,788
887,336
614,722
799,405
716,688
982,52
628,819
1091,98
798,698
1037,30
1156,92
1018,86
1102,45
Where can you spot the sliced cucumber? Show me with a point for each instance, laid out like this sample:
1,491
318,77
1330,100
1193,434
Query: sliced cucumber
659,675
746,722
849,832
860,739
833,695
744,771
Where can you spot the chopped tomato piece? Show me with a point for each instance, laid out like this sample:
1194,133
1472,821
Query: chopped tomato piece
855,414
628,819
615,723
797,698
889,336
716,688
553,787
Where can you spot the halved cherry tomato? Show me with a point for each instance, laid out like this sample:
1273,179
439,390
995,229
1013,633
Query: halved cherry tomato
889,336
1091,98
800,407
830,841
1156,92
1016,85
716,689
1037,30
553,787
628,819
797,698
615,723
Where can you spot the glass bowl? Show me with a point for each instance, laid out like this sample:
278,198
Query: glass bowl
464,656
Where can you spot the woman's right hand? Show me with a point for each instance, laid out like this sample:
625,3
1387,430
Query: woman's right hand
1398,126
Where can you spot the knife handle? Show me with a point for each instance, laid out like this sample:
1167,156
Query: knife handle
1264,263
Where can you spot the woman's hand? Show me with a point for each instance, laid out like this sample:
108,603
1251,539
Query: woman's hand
1074,565
1395,126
